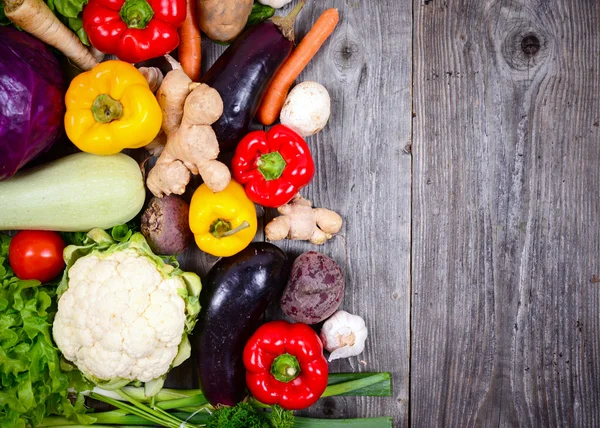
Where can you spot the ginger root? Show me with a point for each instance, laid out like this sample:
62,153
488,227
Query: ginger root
171,97
300,221
192,147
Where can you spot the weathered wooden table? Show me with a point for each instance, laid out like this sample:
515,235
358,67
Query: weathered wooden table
464,155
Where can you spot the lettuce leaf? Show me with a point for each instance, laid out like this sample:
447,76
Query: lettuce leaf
69,13
32,384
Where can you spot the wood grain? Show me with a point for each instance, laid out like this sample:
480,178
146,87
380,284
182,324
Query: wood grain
363,172
506,234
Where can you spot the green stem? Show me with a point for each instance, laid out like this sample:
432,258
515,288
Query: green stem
222,228
109,418
136,13
105,109
384,422
179,403
158,413
163,395
353,385
137,410
285,368
271,165
300,422
380,389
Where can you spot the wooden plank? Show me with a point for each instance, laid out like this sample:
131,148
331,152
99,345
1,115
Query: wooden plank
363,172
505,222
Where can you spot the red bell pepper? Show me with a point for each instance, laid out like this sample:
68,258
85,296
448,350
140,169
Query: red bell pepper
134,30
273,166
285,365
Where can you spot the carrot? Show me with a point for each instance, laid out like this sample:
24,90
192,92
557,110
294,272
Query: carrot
190,44
38,20
284,78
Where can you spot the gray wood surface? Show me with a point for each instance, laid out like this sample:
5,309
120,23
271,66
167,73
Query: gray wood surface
506,234
362,172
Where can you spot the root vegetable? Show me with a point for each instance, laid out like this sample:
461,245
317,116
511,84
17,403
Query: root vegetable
223,20
307,108
192,146
38,20
314,290
190,43
300,221
171,98
280,85
165,225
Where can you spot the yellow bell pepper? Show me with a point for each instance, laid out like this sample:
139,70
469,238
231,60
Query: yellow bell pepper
111,108
223,223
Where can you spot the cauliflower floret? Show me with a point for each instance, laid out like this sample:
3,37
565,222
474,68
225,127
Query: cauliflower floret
120,317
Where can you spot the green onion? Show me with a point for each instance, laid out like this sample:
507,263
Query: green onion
135,409
143,411
385,422
359,384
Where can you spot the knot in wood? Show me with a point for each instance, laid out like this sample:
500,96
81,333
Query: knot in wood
530,45
346,54
524,48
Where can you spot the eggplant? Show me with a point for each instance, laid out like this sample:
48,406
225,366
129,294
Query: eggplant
242,74
234,297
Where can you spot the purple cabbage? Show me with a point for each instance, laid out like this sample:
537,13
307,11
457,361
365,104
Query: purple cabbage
32,107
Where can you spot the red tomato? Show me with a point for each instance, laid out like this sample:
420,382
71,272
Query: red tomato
36,254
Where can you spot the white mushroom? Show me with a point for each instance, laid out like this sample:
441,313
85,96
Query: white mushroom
306,109
344,335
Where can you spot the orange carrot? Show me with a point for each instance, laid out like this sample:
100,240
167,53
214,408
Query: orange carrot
284,78
190,44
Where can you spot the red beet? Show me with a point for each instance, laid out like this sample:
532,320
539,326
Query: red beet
314,290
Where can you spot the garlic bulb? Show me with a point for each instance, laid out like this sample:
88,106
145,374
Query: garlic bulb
344,335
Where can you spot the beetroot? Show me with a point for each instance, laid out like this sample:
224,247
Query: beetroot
314,290
165,225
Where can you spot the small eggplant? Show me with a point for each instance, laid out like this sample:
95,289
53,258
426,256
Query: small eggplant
235,295
243,73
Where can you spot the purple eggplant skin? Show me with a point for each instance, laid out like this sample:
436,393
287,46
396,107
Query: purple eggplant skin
242,75
235,295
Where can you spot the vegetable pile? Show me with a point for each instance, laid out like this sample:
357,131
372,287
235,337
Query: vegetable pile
101,312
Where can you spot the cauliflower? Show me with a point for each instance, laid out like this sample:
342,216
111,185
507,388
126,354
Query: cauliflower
124,314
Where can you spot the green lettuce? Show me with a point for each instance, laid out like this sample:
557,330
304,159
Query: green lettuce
32,383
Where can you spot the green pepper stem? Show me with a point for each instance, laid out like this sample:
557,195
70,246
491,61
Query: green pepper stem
285,368
271,165
105,109
136,13
222,228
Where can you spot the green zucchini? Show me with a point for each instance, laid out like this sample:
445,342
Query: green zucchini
74,194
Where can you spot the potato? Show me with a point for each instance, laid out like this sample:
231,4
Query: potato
223,20
165,225
314,290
